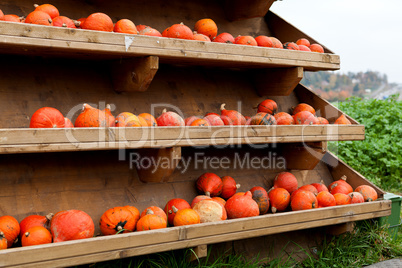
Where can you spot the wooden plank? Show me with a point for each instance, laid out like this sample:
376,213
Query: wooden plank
338,168
277,82
91,146
134,74
304,156
286,32
62,41
240,9
75,249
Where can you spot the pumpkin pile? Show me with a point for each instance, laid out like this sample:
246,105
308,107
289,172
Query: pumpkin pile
218,200
204,30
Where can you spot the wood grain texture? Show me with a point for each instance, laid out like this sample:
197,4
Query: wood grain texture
277,82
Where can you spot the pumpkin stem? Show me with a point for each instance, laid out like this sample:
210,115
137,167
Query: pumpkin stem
237,186
273,209
64,25
223,106
164,111
119,228
208,194
36,5
26,234
149,211
49,216
174,209
77,23
344,177
1,234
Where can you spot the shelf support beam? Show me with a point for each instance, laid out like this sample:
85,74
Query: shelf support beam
277,82
162,164
134,74
240,9
303,156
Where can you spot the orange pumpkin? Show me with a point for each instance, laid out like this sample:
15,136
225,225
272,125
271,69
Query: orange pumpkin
3,240
68,123
342,120
276,43
170,119
260,196
154,210
51,10
264,41
232,117
39,17
47,117
187,216
224,38
309,187
320,187
283,118
356,197
291,46
340,186
305,118
287,181
214,120
342,199
201,37
1,15
36,235
325,199
34,220
368,192
279,199
11,18
151,222
303,200
71,225
209,184
63,21
149,118
220,200
210,211
92,117
322,120
174,205
180,31
98,22
10,228
116,220
229,187
134,211
262,119
125,26
303,41
200,122
303,107
149,31
122,119
246,40
207,27
242,206
316,48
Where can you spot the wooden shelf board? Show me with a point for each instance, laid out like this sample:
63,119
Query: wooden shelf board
42,40
26,140
139,243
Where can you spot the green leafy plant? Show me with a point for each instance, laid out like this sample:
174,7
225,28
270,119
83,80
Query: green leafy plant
379,156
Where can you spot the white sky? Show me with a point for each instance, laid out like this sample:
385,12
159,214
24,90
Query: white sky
366,34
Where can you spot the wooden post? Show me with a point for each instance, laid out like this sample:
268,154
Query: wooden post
199,252
162,163
277,82
134,74
304,155
339,229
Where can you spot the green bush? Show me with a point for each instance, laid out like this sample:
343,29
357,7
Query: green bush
379,156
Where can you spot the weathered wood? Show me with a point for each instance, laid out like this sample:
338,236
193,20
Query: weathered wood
277,82
240,9
167,160
286,32
134,74
304,156
339,229
199,252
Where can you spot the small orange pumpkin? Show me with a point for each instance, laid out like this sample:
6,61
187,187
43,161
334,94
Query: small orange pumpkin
246,40
303,200
283,118
206,27
275,42
149,118
279,199
11,18
242,206
71,225
232,117
154,210
198,198
325,199
39,17
209,184
340,186
10,228
356,197
262,119
51,10
201,37
342,120
117,219
342,199
125,26
187,216
63,21
229,187
200,122
320,187
149,31
287,181
368,192
98,22
224,38
47,117
170,119
305,118
303,41
303,107
322,120
309,187
264,41
36,235
122,119
92,117
174,205
151,222
180,31
34,220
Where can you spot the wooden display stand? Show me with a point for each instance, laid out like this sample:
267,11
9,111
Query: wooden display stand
49,170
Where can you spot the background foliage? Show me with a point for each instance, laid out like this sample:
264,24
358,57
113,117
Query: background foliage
379,156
